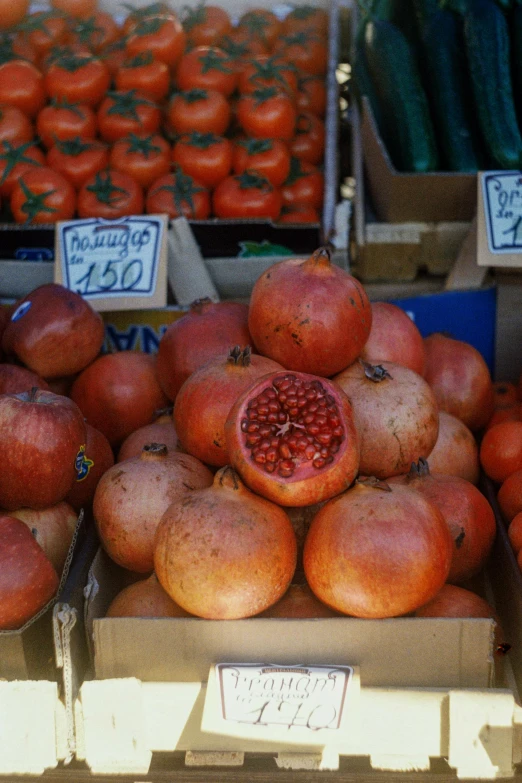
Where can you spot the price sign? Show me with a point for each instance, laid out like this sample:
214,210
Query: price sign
499,228
115,264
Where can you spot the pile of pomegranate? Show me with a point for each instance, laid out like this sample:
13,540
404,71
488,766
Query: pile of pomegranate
306,455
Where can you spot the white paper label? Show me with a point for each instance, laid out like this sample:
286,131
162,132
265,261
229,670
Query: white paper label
111,258
305,697
502,195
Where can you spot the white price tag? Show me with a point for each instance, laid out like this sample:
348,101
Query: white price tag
502,194
306,697
115,264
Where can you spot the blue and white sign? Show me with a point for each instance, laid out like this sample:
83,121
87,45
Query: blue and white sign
502,196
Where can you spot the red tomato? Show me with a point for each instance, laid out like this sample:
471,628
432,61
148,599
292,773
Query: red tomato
22,85
110,194
262,24
16,160
96,31
205,111
144,157
267,71
164,36
137,15
246,195
267,114
62,120
121,113
308,142
78,159
205,25
299,214
178,195
15,126
240,44
42,196
16,47
146,74
44,30
114,55
311,95
269,157
78,79
304,185
306,50
12,12
307,18
207,68
205,156
77,8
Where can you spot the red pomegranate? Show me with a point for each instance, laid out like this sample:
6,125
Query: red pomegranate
15,379
396,416
394,337
118,393
460,379
377,551
309,315
205,399
161,430
299,602
132,496
53,528
93,461
206,331
468,515
456,451
292,438
145,598
224,553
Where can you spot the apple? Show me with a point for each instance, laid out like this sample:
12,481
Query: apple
97,458
28,579
53,528
53,331
15,379
41,436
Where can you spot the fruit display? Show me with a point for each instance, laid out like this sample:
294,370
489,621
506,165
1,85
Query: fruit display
174,111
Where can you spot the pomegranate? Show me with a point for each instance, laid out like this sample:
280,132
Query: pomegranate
205,399
468,515
53,528
93,461
510,495
299,601
118,393
395,413
206,331
394,338
161,430
309,315
132,496
292,438
145,598
460,379
456,452
224,553
15,379
377,551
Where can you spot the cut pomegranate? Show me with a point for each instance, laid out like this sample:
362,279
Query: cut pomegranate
292,438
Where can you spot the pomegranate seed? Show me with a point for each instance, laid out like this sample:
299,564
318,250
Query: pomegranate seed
318,462
320,420
272,418
265,430
302,443
284,451
286,468
273,406
291,400
314,429
324,438
259,457
311,394
253,426
262,410
253,439
270,467
310,451
272,455
244,425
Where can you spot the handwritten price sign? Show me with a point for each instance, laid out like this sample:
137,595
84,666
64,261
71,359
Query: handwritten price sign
117,264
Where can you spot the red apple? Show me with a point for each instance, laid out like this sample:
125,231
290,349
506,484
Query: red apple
28,579
15,379
97,458
53,528
54,332
41,435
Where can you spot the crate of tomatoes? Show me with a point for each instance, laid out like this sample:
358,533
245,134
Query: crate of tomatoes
224,116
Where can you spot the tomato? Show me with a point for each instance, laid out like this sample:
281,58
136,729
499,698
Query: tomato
44,30
144,73
308,142
205,156
263,24
58,53
114,55
78,159
304,185
207,68
311,95
137,15
299,214
12,12
110,194
269,157
246,195
205,25
63,120
15,126
15,160
205,111
178,195
16,47
22,85
306,50
163,36
76,8
144,157
78,79
267,71
267,114
307,18
240,45
42,196
124,112
95,32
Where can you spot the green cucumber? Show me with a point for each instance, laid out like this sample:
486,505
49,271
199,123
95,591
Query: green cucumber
424,10
406,125
488,52
515,27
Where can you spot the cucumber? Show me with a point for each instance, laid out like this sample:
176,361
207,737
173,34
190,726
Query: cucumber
515,26
447,81
488,52
406,125
424,10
